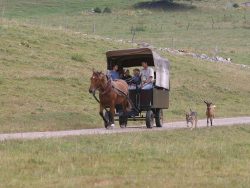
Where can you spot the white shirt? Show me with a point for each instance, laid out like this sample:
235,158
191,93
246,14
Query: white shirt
146,73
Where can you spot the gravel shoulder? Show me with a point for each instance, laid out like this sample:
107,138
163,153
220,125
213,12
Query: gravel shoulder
100,131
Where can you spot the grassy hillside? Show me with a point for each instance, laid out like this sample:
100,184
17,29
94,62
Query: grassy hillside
217,157
42,87
44,80
211,27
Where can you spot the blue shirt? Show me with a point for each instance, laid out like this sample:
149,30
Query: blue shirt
136,80
114,75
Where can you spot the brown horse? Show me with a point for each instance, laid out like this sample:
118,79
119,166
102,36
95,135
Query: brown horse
111,93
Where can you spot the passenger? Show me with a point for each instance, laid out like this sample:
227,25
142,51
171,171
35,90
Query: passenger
114,74
126,75
147,76
135,80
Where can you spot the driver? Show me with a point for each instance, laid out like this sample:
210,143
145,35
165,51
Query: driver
147,76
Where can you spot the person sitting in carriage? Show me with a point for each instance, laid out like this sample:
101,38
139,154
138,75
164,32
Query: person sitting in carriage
147,76
126,76
114,74
135,81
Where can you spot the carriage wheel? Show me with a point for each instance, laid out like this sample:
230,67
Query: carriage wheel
149,119
123,121
107,116
159,117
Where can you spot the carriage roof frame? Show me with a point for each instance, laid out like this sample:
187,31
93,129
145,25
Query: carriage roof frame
133,57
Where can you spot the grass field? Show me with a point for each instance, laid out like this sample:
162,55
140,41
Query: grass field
209,157
209,27
44,80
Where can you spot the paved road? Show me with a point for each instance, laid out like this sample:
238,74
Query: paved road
98,131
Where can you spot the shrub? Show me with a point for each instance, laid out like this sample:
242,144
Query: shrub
78,57
235,5
1,80
97,10
140,28
107,10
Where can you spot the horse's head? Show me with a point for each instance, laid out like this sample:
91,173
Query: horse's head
97,81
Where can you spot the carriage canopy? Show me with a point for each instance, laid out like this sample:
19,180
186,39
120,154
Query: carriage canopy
134,58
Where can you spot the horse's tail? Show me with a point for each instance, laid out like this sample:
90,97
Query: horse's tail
128,105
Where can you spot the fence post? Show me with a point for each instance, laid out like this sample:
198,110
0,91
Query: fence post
172,42
188,26
212,23
94,28
133,36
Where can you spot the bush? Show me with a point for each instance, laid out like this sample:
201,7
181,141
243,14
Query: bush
107,10
140,28
78,57
235,5
97,10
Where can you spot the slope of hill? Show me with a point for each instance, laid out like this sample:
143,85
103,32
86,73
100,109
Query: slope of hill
211,27
44,80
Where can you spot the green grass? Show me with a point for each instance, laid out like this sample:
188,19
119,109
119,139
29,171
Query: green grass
43,87
209,157
208,28
44,80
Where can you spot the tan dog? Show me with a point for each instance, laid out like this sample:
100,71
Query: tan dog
192,117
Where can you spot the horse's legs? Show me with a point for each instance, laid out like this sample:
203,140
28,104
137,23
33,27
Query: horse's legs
112,114
124,106
124,113
101,114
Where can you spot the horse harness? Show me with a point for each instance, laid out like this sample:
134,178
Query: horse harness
118,91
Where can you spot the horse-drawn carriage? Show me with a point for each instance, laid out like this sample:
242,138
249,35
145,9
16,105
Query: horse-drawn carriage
146,104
